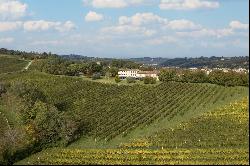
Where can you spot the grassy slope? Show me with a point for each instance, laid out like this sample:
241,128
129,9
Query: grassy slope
11,64
217,137
104,101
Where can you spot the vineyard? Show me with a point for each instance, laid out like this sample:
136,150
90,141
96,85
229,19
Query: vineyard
181,128
226,127
219,137
11,64
111,110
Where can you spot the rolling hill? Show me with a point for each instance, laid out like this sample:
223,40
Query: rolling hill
132,124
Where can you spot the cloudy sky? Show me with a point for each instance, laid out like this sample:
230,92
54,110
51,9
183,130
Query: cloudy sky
127,28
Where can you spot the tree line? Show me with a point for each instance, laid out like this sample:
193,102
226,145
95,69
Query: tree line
61,66
210,62
219,77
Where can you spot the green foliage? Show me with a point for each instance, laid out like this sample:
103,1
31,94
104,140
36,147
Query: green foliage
59,66
210,62
117,79
130,80
47,123
113,71
166,76
229,78
194,77
124,64
27,91
39,122
26,55
149,80
3,88
215,77
96,76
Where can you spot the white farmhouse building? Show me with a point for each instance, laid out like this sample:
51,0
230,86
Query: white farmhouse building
135,73
128,73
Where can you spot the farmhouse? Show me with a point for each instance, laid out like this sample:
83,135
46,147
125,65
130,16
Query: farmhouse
128,73
135,73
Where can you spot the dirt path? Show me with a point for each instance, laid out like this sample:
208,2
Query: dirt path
27,67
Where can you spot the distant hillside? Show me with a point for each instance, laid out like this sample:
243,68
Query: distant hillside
84,58
212,62
149,61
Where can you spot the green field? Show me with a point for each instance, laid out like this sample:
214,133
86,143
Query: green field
11,64
140,124
219,137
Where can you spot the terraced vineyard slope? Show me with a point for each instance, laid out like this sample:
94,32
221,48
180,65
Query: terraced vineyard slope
226,127
219,137
111,110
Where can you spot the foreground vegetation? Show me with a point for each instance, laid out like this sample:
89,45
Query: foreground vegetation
219,137
139,157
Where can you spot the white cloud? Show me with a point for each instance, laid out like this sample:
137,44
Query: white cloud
128,30
12,9
107,3
207,33
188,4
6,40
42,25
112,3
222,32
141,18
9,26
93,16
182,25
149,24
238,25
67,26
138,24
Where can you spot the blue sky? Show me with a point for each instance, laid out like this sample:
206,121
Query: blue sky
127,28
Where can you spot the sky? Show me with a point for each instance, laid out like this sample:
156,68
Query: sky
127,28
